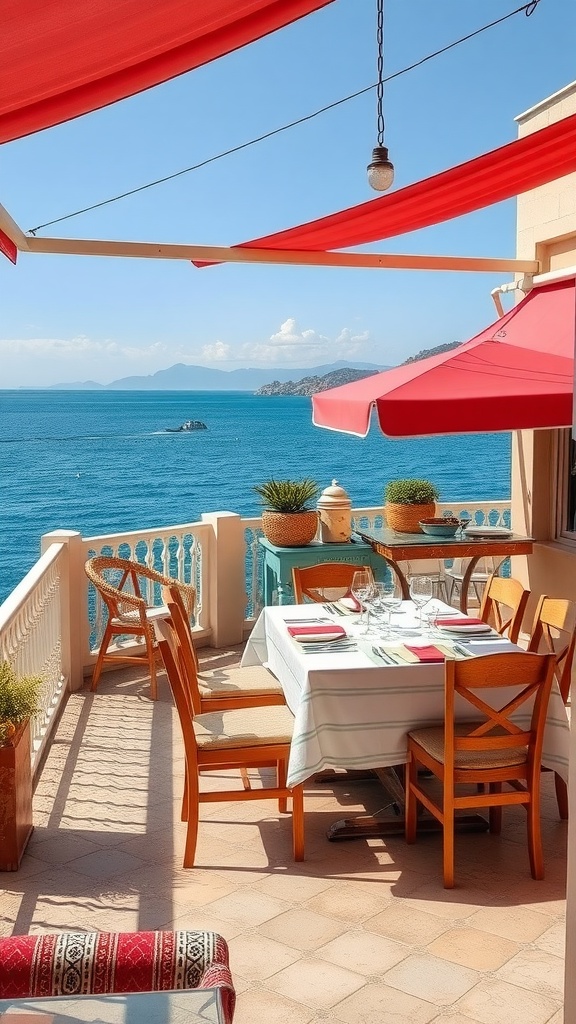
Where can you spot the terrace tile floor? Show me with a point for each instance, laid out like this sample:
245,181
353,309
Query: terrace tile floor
361,932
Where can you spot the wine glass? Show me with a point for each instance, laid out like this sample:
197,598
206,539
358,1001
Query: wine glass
391,599
361,585
421,591
464,520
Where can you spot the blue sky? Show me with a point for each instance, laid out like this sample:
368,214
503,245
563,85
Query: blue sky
67,318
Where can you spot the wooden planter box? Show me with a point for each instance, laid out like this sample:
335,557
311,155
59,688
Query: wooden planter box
15,798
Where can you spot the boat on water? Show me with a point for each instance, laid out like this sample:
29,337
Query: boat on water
187,426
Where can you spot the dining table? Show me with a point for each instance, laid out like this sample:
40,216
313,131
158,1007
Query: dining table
354,699
472,543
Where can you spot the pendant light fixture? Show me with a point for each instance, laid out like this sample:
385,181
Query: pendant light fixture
381,169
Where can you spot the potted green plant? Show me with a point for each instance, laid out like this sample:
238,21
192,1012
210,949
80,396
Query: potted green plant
407,502
287,518
19,701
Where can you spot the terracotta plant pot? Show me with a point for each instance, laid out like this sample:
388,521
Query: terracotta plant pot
15,798
406,518
289,529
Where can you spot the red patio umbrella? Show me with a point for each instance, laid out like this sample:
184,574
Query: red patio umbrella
517,373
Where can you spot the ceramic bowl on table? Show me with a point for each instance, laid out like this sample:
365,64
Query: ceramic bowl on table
440,527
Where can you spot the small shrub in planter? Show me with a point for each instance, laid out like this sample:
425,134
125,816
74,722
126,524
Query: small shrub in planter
19,701
407,502
287,519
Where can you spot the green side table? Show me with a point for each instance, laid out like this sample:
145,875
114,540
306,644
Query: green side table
279,562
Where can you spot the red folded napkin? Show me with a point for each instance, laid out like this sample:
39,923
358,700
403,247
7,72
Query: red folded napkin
349,601
430,653
316,632
454,620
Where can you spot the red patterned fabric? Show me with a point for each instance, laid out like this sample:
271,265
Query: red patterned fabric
81,963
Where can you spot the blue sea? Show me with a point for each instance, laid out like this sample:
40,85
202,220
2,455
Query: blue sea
102,462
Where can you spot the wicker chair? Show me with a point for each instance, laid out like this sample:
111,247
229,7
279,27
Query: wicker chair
492,750
127,590
106,963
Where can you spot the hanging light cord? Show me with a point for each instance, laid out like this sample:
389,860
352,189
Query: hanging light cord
380,86
527,8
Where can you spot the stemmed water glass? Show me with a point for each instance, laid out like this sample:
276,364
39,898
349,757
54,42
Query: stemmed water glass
391,599
421,591
362,583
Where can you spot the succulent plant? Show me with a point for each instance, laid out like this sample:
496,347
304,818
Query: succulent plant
410,492
287,495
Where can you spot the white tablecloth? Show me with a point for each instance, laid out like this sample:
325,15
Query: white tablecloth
352,712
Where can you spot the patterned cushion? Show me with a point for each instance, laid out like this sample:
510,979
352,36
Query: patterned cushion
79,963
432,740
245,727
252,681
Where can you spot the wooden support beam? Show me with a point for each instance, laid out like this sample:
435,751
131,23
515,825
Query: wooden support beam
231,254
227,254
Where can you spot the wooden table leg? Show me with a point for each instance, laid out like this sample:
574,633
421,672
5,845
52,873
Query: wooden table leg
400,575
466,583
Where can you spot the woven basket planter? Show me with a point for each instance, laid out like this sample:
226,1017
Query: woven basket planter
289,529
406,518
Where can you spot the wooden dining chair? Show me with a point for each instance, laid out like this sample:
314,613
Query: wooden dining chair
128,589
492,750
503,605
327,581
554,630
221,689
244,738
249,687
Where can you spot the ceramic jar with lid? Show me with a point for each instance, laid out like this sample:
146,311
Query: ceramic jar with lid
335,515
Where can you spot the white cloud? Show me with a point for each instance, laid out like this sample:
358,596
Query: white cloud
216,353
43,361
290,345
80,346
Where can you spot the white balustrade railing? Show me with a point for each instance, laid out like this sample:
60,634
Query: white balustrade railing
31,636
177,551
481,513
254,565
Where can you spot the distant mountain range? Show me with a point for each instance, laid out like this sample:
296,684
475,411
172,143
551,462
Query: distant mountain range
184,377
286,381
311,385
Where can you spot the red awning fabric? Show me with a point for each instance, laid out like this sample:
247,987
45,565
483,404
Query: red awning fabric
516,374
543,156
8,248
63,58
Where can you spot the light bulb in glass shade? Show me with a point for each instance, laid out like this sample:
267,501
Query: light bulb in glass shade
380,170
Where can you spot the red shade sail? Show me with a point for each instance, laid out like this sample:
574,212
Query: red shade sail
8,248
518,373
62,58
500,174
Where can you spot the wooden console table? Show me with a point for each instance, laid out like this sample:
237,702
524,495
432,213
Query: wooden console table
400,547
